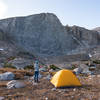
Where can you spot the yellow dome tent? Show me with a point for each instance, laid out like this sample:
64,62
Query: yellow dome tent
64,78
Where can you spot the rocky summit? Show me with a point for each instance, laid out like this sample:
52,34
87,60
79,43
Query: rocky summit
43,35
97,29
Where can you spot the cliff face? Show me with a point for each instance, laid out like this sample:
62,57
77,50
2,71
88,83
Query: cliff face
97,29
84,37
44,35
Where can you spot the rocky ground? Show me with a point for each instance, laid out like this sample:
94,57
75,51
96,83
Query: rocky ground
44,90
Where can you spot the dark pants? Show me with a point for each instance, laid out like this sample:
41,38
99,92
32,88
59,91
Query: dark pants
36,76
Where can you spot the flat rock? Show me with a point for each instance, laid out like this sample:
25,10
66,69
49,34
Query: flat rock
2,98
15,84
7,76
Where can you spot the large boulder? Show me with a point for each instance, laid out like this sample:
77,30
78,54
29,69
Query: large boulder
15,84
82,69
2,98
20,63
7,76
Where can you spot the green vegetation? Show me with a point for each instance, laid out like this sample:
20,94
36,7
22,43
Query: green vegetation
9,65
23,53
11,58
73,66
87,63
29,67
96,61
54,67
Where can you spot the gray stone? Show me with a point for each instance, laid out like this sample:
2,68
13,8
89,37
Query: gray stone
78,70
84,37
85,69
7,76
20,62
42,69
97,29
1,49
48,77
2,98
46,98
40,76
82,69
34,34
15,84
53,89
44,35
1,65
98,76
26,77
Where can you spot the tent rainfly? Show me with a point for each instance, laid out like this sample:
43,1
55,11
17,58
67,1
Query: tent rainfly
65,78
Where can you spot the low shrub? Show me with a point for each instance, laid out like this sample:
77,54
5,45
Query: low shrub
11,58
29,67
25,54
96,61
54,67
9,65
73,66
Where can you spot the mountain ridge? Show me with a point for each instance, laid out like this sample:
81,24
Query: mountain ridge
44,35
97,29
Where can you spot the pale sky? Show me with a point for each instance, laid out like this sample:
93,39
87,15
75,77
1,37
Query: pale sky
84,13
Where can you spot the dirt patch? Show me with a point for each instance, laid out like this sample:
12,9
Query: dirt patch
19,74
43,91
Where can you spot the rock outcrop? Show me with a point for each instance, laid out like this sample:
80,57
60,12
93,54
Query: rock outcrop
97,29
86,38
40,34
43,35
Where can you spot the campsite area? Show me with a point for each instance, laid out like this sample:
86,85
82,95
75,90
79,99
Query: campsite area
44,90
